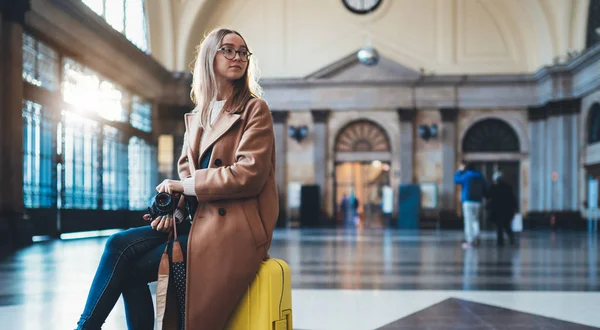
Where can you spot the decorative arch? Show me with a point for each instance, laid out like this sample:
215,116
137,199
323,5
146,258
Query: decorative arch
491,135
512,37
191,15
525,27
514,121
161,32
362,136
338,121
593,124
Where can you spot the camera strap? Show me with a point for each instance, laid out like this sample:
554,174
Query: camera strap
164,267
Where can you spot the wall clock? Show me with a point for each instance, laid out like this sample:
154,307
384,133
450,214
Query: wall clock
361,7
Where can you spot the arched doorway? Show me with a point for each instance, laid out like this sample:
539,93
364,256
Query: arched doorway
362,172
593,125
493,145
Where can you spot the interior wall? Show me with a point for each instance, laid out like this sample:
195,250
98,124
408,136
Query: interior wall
428,154
295,38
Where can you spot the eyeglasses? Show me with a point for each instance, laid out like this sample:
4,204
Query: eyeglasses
230,52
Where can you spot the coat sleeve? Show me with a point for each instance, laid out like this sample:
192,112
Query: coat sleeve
247,176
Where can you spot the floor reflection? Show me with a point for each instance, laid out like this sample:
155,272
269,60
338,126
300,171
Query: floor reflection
51,279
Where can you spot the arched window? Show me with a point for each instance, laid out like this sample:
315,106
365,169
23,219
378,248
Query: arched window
491,135
594,124
125,16
362,136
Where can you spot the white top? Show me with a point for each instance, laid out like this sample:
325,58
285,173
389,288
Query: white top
215,109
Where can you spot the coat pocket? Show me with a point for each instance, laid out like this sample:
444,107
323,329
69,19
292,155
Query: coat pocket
254,221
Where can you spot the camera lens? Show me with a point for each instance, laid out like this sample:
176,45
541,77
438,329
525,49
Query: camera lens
163,200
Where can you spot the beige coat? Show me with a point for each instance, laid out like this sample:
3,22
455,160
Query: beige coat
237,211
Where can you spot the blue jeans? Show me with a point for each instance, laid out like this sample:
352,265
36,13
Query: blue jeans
129,262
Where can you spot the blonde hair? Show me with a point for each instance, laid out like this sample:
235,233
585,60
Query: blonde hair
204,83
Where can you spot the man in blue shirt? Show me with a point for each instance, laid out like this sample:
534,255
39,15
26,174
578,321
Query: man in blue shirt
473,190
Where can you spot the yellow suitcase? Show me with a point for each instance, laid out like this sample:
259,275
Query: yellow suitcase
267,305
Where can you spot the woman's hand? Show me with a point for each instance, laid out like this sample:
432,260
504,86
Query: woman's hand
170,186
164,223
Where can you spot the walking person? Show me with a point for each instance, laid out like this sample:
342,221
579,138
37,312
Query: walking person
473,191
502,207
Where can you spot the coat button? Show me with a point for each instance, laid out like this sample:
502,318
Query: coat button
222,211
218,162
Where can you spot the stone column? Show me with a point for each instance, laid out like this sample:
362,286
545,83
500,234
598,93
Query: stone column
563,135
537,168
447,135
12,228
320,147
554,170
280,129
407,120
550,144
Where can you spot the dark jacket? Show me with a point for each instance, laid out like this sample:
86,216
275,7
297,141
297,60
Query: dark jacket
501,201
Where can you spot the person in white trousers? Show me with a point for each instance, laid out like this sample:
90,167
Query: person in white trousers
473,191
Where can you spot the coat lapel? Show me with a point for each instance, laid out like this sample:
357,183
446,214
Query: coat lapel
194,135
222,124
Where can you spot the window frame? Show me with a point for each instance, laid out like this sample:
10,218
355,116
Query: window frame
53,100
146,47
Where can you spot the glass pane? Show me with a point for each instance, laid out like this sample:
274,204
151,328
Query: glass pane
80,86
115,14
109,105
141,173
29,59
125,16
135,24
87,92
96,5
47,67
39,188
115,170
81,162
141,114
40,63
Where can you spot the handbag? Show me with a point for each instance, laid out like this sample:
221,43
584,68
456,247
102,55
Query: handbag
517,223
178,268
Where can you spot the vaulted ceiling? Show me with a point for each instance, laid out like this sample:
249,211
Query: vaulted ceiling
294,38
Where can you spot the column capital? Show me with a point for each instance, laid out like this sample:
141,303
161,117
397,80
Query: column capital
406,114
449,114
279,116
564,107
14,11
554,108
320,115
537,113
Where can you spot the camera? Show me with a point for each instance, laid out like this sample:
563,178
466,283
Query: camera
162,205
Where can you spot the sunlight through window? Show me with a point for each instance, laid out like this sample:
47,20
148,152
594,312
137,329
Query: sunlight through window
125,16
87,92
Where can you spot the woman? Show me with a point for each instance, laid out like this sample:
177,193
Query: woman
227,176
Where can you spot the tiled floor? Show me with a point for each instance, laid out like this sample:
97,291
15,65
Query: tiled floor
351,280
